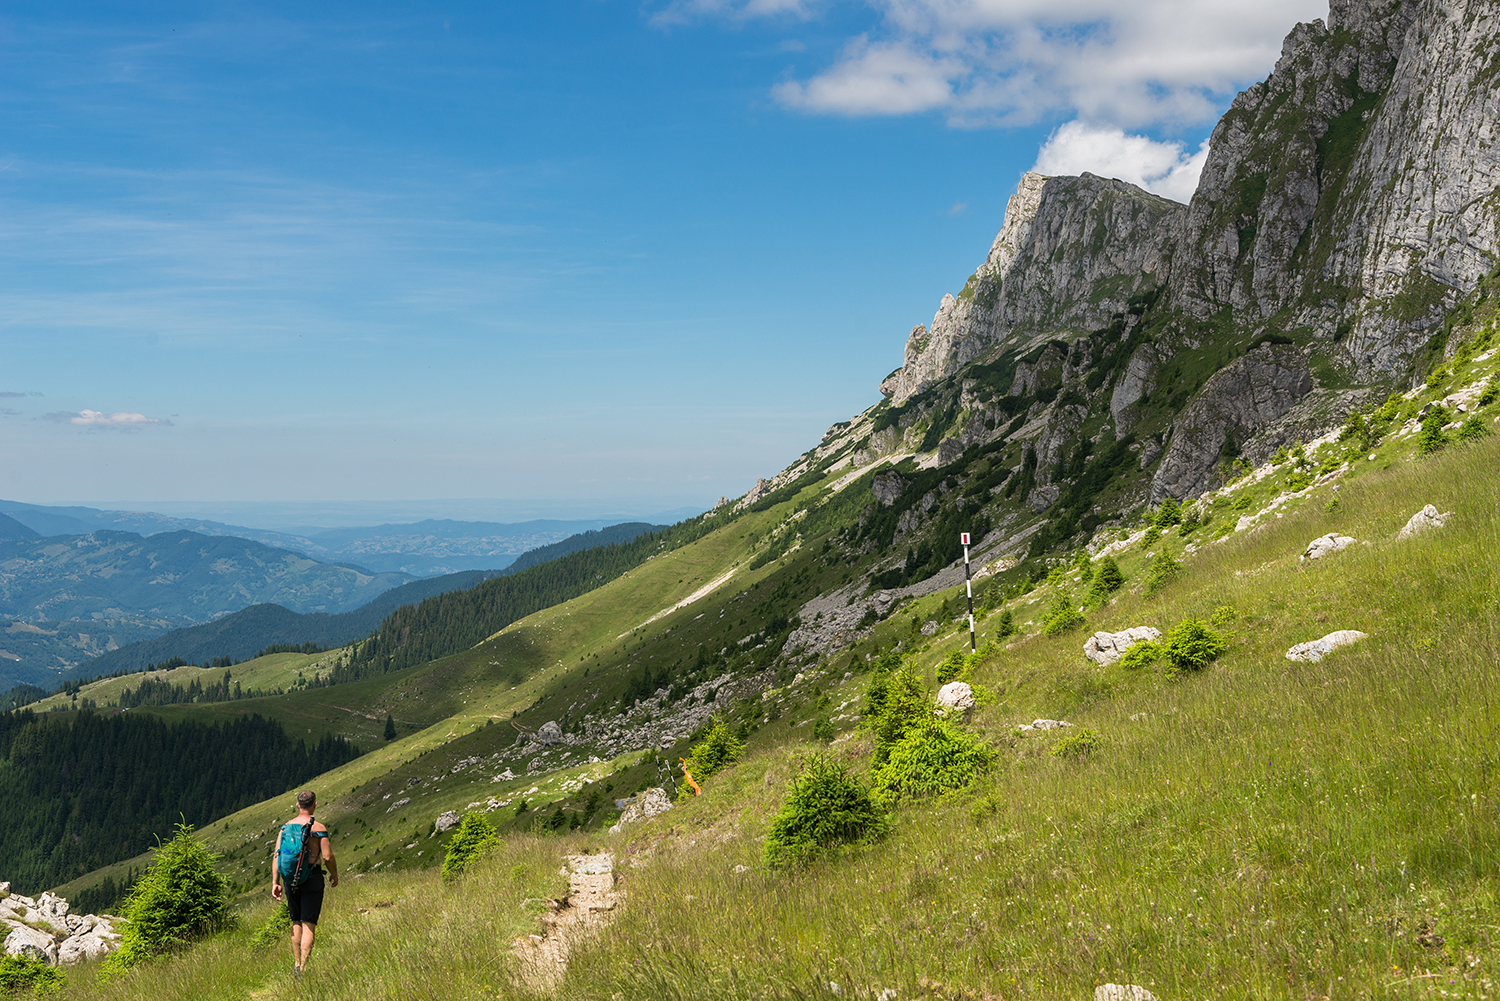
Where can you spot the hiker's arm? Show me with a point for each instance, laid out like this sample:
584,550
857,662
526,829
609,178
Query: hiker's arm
329,861
275,871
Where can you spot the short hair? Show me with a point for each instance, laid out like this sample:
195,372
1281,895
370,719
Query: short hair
307,799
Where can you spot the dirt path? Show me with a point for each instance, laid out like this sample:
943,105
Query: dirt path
587,907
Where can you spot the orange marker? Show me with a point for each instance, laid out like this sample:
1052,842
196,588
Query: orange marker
689,776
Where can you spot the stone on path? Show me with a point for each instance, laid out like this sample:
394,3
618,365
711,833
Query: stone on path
1316,650
1425,519
1325,544
1042,725
1122,992
1106,648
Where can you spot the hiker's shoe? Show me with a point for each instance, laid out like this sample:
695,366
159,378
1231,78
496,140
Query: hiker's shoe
296,972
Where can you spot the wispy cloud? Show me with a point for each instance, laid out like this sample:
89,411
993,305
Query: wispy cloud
8,412
1165,168
682,11
16,396
118,421
1014,62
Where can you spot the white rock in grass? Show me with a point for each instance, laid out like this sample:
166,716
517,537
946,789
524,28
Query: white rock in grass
448,821
1106,648
1325,544
25,941
1044,724
956,695
1122,992
1423,520
1316,650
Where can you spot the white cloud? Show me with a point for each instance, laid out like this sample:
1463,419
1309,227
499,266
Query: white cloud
1164,168
120,420
1013,62
876,80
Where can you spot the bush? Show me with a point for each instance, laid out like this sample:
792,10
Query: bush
179,898
932,758
1192,646
1153,534
1474,429
952,666
275,928
1006,625
823,728
475,837
1160,572
827,807
715,752
1080,745
1141,654
1491,390
902,704
1061,616
1107,580
1169,514
20,973
1433,438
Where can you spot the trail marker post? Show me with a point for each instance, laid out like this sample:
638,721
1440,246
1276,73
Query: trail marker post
969,587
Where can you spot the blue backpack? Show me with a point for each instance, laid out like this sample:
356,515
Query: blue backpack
297,853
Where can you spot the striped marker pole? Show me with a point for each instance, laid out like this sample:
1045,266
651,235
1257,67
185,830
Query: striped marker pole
969,587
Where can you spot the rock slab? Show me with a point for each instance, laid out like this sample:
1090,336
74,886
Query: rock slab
956,695
651,803
1316,650
1106,648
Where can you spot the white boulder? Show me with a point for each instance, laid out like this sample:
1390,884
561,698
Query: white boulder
1325,544
447,821
1315,650
956,695
89,945
26,941
1042,725
1106,648
1425,519
549,734
648,804
1122,992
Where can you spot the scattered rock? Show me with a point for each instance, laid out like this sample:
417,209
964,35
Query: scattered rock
1316,650
644,806
1423,520
1041,725
448,821
929,627
1122,992
43,929
1106,648
1325,544
956,695
549,734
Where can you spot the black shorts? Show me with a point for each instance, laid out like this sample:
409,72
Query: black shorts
306,903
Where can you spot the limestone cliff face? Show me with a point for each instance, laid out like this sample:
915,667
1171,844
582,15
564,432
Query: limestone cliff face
1353,191
1071,253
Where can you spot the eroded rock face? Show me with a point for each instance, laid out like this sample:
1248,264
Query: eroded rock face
1256,388
887,488
1071,253
1106,648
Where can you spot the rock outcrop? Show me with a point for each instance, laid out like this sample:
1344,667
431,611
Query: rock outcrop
643,806
1424,520
1316,650
1106,648
43,929
1325,544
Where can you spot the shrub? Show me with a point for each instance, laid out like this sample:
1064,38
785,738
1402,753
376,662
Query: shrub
1241,503
1391,409
1160,572
1152,535
1141,654
1169,514
827,807
1107,580
823,728
715,752
1491,390
1006,626
1079,745
902,704
1473,429
20,973
1433,438
475,837
273,931
1298,479
1223,616
1192,646
952,666
179,898
932,758
1061,616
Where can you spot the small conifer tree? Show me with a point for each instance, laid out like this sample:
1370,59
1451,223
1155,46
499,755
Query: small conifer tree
390,727
179,898
475,836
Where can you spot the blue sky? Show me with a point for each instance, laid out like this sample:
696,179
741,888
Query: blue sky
603,253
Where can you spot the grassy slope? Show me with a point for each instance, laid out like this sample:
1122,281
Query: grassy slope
1263,827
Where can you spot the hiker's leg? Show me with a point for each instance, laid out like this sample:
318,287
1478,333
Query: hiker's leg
296,943
309,934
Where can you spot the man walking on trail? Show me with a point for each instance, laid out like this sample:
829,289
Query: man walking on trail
307,850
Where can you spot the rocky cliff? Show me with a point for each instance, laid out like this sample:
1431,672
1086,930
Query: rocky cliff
1348,203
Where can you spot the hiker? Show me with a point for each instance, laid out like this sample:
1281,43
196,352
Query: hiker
302,848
